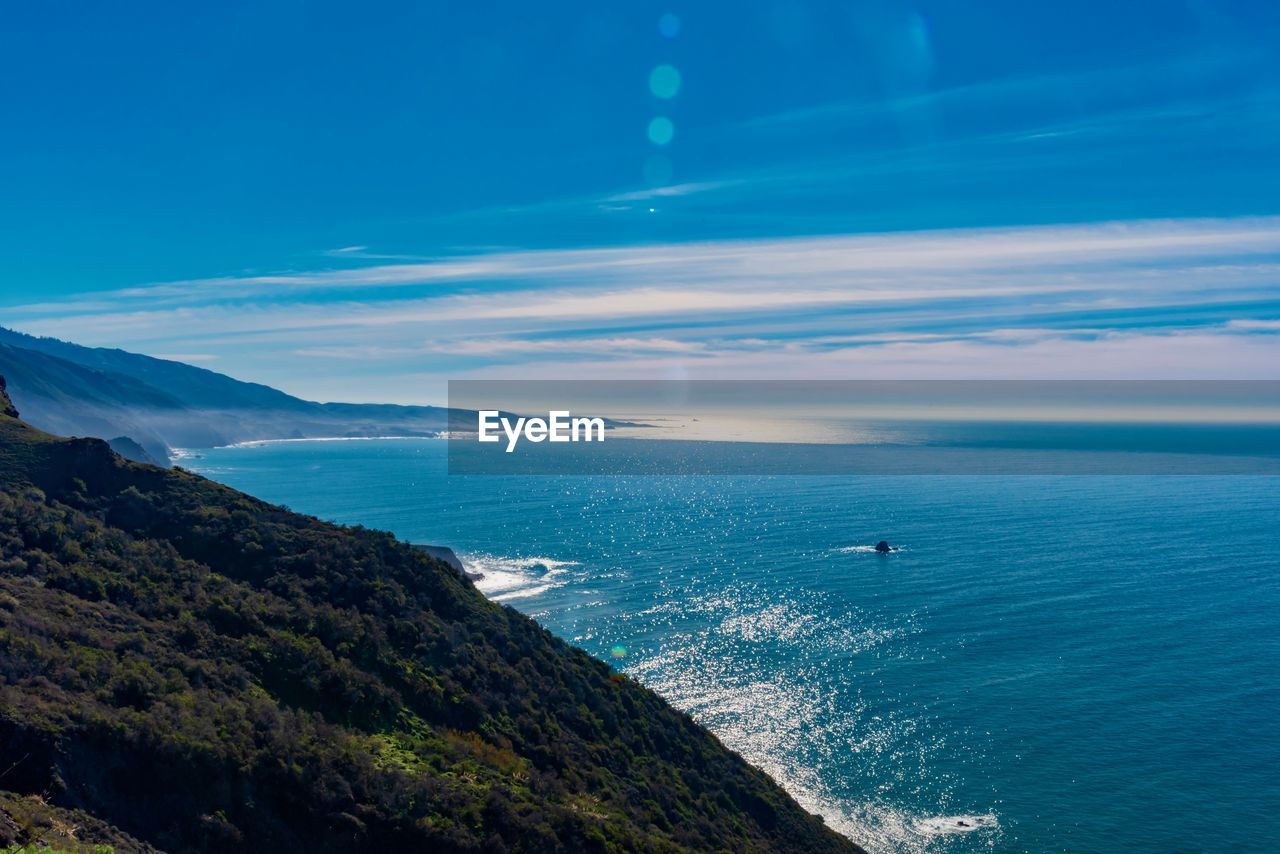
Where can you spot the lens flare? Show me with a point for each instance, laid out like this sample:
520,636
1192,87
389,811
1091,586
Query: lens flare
661,130
618,651
664,82
669,25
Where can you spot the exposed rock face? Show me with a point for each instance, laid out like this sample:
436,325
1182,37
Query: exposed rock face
446,554
131,450
6,405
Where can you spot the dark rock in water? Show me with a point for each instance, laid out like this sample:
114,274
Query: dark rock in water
883,547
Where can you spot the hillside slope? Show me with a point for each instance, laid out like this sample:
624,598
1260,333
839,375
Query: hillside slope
92,391
200,670
66,398
187,384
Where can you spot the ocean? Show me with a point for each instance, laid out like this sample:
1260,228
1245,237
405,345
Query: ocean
1049,663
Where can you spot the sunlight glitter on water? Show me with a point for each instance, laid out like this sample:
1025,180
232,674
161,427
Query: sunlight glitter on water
790,714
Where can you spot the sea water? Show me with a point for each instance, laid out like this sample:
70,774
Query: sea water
1082,663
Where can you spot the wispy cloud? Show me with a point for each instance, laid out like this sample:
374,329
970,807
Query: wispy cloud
670,191
1124,298
1256,325
1087,90
363,253
942,259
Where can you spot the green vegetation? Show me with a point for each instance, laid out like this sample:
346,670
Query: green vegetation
199,670
30,825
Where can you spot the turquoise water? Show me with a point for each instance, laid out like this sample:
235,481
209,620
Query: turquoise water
1060,663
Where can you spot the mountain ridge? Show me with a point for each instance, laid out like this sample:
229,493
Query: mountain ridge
161,404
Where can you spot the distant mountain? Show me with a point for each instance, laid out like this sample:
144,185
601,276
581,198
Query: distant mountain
161,404
186,668
70,399
194,387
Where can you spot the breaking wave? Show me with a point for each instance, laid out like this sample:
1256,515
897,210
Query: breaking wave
507,578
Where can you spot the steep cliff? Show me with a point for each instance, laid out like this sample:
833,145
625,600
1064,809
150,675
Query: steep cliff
199,670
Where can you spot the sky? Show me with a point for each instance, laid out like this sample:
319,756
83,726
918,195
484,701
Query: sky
359,202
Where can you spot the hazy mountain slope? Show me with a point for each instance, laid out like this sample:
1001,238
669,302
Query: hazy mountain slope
204,671
88,391
194,387
58,379
70,399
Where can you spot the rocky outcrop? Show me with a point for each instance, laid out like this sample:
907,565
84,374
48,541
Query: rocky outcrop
447,556
131,450
6,405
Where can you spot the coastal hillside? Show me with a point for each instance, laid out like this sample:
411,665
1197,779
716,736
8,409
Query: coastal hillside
160,404
184,667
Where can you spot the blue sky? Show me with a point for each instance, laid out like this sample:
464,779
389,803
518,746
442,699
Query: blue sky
359,202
